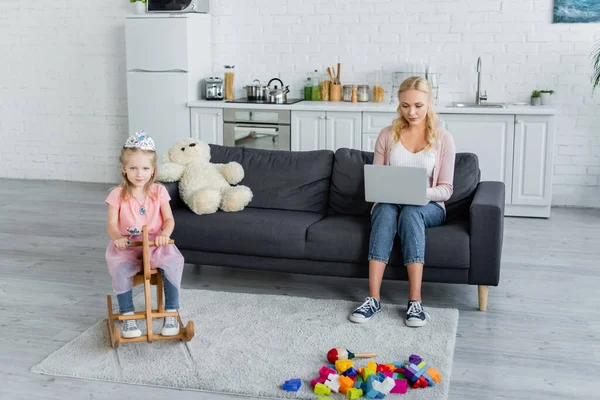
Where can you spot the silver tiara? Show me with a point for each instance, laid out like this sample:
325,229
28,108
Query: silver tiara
140,140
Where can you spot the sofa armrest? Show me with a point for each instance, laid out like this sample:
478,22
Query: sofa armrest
173,189
486,230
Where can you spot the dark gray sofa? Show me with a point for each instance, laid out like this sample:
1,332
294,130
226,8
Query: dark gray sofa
309,216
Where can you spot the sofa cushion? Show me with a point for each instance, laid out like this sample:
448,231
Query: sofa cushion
466,178
347,195
342,238
285,180
345,238
253,231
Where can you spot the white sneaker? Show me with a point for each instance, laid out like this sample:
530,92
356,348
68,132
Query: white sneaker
171,327
130,329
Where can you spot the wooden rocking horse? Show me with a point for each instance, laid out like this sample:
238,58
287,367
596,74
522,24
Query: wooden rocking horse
148,277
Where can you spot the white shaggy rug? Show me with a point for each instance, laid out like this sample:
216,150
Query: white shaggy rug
249,344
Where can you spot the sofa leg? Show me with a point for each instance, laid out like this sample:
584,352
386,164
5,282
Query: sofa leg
483,296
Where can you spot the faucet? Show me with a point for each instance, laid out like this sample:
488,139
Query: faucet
478,95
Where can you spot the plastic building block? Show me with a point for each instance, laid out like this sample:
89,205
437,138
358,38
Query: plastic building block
350,372
325,371
320,379
354,393
401,386
321,388
420,383
343,365
414,359
345,384
366,373
323,398
293,385
434,374
372,365
333,383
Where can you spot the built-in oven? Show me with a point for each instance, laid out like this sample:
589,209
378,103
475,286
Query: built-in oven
257,129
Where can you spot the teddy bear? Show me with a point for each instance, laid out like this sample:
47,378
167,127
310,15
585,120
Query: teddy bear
204,186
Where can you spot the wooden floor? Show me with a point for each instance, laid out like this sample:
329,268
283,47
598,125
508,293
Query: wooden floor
539,338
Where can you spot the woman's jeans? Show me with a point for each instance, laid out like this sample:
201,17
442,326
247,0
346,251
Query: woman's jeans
171,297
409,222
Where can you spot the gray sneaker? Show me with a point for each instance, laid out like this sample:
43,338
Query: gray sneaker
130,329
365,311
171,327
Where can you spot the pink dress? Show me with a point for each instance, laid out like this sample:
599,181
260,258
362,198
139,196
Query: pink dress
124,264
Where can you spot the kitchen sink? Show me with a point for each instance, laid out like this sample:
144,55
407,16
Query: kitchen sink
475,105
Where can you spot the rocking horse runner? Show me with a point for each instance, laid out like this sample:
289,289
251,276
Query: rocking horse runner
139,201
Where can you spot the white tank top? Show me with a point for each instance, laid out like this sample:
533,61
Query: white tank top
400,157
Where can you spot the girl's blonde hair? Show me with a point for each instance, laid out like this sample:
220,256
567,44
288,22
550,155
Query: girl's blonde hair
400,124
127,191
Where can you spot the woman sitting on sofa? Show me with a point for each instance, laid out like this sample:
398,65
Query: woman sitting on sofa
414,140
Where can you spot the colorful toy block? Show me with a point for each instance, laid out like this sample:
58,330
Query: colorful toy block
400,386
434,374
414,359
343,365
321,388
323,398
345,384
320,379
354,393
292,385
333,383
350,372
372,365
325,371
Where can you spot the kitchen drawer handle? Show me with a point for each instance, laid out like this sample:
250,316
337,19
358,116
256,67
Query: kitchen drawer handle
519,121
218,114
322,117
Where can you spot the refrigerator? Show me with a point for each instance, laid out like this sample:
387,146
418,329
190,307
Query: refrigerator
167,58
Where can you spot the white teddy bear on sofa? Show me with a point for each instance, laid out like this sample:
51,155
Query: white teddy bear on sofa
204,186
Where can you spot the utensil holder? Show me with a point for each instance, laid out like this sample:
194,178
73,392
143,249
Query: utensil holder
335,92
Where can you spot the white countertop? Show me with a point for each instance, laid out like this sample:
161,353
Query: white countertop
373,107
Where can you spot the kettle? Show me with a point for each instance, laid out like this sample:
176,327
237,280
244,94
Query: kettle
275,94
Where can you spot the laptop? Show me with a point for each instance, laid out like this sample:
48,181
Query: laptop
396,185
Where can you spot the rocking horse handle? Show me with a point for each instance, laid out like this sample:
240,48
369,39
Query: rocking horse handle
134,244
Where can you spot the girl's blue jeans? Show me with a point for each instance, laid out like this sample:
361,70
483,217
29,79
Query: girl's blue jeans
409,222
171,297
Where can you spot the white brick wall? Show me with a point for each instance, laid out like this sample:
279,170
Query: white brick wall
62,70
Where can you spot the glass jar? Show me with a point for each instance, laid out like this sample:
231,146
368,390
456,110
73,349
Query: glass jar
347,92
229,78
363,93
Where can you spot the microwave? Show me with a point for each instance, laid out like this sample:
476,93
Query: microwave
177,6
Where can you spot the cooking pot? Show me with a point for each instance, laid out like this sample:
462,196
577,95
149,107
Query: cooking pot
257,91
275,94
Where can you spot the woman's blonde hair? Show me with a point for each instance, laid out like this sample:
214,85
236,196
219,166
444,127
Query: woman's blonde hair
400,124
127,191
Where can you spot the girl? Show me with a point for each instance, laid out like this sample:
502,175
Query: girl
413,140
138,201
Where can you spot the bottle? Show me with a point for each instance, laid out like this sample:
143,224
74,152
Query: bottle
308,88
229,78
316,88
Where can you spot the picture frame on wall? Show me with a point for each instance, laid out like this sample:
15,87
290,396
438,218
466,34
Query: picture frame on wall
576,11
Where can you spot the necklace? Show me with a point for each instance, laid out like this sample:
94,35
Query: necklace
142,205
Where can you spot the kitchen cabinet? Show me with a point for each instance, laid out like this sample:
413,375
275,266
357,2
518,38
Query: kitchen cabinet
533,158
491,138
207,124
512,148
315,130
372,124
